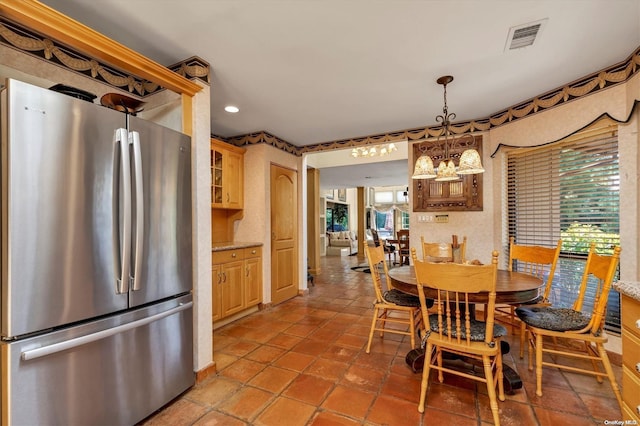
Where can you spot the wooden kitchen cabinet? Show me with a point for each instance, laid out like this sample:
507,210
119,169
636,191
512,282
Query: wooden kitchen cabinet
227,176
216,281
630,358
253,276
236,281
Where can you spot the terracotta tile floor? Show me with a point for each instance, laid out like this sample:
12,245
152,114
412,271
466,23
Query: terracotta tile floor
303,362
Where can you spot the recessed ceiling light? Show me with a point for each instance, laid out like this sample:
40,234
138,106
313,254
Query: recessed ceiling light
231,109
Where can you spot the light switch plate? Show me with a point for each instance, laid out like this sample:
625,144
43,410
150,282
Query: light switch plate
442,218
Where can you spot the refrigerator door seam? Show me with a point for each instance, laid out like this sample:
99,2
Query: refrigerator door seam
79,341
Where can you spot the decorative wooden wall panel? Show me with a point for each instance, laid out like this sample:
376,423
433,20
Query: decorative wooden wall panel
459,195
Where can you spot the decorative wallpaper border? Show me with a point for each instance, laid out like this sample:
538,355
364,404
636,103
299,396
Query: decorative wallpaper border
263,137
593,83
29,42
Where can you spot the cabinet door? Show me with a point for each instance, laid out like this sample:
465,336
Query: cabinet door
234,180
216,282
217,178
232,288
253,280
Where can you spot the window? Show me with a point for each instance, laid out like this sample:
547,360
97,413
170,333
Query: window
568,190
383,197
337,217
405,220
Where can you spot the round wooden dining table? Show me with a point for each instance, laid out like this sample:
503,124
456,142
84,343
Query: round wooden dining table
511,287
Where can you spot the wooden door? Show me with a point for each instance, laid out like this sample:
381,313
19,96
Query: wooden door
284,237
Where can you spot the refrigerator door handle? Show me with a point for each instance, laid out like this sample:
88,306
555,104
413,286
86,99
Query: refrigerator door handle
134,139
121,139
80,341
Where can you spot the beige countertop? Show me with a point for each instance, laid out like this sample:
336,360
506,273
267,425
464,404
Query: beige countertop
628,288
233,245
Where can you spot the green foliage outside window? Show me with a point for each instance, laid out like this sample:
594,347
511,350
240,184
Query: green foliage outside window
578,237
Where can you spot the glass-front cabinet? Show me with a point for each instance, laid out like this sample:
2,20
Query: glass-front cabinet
227,175
216,175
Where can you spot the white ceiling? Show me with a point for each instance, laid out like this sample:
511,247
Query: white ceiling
313,71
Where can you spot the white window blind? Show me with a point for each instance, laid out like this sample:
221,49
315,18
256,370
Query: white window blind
568,190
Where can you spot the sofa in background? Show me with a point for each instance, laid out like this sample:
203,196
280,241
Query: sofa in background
340,240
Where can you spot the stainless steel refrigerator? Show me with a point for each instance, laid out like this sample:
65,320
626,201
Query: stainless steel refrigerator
95,304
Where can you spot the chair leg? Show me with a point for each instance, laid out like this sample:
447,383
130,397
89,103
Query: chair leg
383,321
530,348
607,367
491,390
500,374
412,329
425,376
594,363
539,364
523,338
439,360
373,327
513,319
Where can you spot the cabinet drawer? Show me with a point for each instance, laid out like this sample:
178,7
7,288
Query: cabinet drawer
631,351
250,252
631,389
631,315
630,414
225,256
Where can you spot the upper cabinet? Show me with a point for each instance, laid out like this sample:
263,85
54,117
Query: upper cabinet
227,176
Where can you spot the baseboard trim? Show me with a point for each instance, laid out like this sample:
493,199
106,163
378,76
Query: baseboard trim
206,372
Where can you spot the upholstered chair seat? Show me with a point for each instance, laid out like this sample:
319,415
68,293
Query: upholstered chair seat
402,299
550,318
478,329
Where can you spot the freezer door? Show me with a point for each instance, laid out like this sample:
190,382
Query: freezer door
115,371
162,255
59,175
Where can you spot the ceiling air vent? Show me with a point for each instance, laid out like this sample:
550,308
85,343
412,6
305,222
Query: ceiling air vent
524,35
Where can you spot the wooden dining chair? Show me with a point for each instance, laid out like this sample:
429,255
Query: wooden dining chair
533,260
389,249
572,333
391,306
453,328
443,252
402,236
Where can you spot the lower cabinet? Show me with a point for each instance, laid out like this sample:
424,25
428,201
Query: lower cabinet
630,359
236,280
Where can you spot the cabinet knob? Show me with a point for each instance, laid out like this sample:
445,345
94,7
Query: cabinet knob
233,255
638,409
253,252
638,367
638,323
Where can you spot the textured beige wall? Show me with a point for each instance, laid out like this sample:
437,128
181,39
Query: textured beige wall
256,224
485,230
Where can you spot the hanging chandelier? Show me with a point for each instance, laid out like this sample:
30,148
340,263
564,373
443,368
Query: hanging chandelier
373,150
470,162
